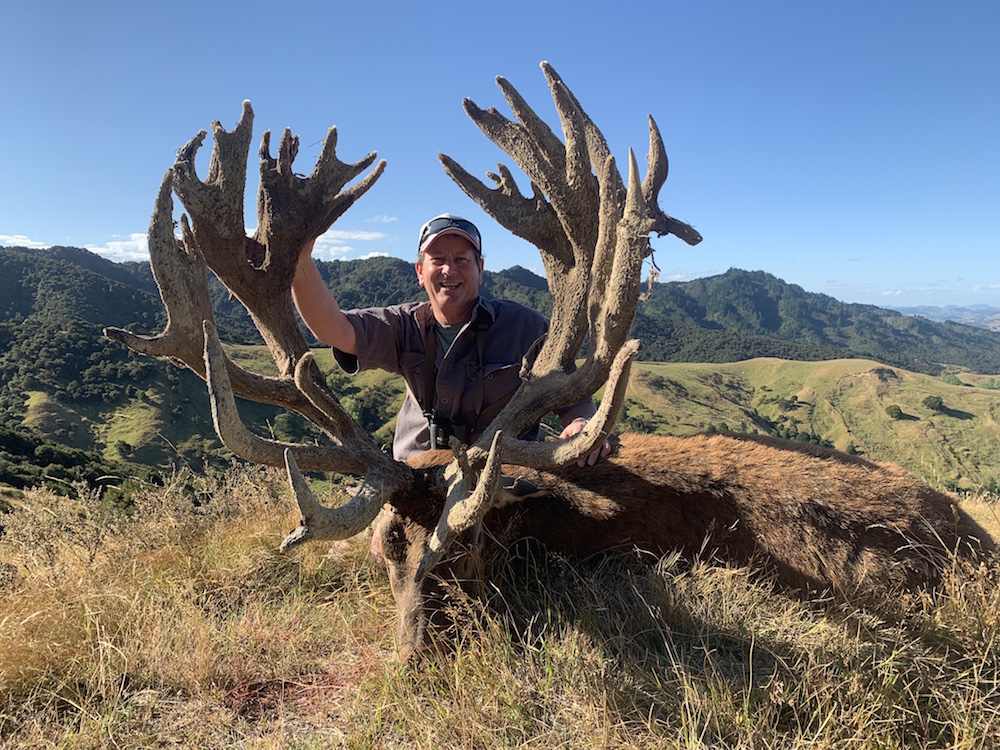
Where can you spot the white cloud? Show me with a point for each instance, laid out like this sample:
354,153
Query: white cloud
339,243
374,255
383,219
332,245
20,240
892,292
329,251
349,235
118,251
985,287
677,275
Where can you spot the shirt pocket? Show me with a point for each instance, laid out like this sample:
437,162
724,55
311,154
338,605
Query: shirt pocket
499,383
411,366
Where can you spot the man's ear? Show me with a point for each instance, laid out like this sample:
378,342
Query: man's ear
420,272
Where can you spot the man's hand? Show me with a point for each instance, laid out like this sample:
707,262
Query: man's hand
572,429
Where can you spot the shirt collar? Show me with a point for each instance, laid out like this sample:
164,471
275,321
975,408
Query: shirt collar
424,314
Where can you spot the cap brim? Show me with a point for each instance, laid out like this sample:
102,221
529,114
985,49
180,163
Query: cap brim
450,230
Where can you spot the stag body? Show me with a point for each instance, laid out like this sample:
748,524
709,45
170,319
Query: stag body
817,519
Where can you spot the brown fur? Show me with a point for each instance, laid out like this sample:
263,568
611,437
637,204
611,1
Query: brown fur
819,519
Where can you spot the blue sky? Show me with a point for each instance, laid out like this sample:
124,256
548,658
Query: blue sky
852,148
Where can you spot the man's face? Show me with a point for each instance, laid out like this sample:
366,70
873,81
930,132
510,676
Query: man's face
450,274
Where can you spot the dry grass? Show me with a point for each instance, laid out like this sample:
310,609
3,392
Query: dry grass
183,627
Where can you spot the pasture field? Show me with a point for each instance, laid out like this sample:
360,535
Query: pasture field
183,626
842,403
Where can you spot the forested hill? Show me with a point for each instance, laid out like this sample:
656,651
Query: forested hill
744,314
733,316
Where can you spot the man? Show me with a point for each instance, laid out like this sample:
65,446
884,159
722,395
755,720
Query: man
459,354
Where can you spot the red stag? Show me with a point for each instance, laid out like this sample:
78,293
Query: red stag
819,519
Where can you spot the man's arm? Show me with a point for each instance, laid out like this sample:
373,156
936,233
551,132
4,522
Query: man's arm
318,307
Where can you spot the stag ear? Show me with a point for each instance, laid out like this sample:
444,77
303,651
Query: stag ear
515,489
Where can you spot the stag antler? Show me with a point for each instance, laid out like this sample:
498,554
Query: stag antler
259,270
593,234
591,228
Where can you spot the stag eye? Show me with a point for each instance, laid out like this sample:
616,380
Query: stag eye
395,543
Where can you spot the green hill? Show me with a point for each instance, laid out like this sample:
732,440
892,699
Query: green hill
845,404
726,318
806,367
740,315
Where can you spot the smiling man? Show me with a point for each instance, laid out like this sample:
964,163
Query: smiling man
459,354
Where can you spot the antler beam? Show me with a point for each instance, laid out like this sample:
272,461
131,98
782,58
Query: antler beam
592,232
258,270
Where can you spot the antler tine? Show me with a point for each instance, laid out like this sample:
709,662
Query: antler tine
561,171
618,267
657,168
179,270
320,198
463,508
657,165
244,443
321,523
220,196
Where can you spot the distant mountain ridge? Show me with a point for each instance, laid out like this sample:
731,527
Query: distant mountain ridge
730,317
981,316
744,314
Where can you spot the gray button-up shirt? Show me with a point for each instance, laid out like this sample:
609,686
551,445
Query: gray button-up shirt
393,339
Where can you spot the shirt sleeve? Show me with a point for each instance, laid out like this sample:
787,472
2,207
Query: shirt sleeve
381,333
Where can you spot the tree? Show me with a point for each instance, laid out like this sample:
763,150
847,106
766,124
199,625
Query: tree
894,411
934,403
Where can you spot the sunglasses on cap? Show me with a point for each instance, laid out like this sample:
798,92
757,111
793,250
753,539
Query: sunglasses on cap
439,224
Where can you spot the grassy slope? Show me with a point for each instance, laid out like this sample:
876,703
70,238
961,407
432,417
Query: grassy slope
842,401
184,627
44,416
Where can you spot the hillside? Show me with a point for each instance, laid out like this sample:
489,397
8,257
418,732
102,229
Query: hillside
730,317
840,403
63,384
740,315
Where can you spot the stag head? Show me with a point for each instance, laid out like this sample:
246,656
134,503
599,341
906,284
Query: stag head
592,229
